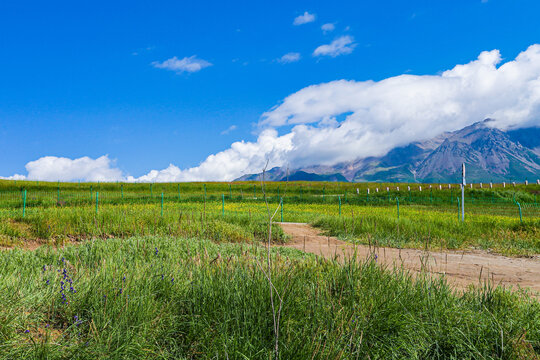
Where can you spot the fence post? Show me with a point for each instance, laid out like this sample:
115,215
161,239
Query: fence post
339,199
458,208
222,204
230,192
24,203
463,184
122,190
162,203
281,203
179,192
397,201
97,201
520,215
58,195
151,191
254,191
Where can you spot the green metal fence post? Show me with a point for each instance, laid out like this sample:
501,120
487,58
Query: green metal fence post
97,201
222,204
281,203
24,203
91,193
162,196
178,191
122,190
520,215
58,196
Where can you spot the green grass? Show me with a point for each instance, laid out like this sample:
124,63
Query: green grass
245,221
198,299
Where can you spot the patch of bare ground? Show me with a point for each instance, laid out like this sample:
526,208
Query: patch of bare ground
460,268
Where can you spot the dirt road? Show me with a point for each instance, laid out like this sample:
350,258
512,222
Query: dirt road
460,268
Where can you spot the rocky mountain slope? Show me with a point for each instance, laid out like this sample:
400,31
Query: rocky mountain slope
490,155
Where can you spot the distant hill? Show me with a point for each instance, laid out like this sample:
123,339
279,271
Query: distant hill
490,155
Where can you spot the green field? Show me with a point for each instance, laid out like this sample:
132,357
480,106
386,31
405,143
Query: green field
505,220
183,274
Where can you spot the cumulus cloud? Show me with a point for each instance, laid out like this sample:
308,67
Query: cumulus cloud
289,58
344,120
242,157
52,168
341,46
188,64
328,27
304,18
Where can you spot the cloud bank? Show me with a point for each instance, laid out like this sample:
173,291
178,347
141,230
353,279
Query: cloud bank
52,168
344,120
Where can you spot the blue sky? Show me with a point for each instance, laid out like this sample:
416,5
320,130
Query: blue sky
81,79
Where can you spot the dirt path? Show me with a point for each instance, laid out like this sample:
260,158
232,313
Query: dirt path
460,268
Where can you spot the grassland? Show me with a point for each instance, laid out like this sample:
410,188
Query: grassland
56,213
176,271
161,297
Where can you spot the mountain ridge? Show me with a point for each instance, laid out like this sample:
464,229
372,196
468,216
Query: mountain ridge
490,154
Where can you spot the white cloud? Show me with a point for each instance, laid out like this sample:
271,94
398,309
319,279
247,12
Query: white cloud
229,129
304,18
242,157
13,177
328,27
345,120
188,64
340,46
52,168
289,58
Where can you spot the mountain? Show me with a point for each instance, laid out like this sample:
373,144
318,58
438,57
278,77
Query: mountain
489,154
279,174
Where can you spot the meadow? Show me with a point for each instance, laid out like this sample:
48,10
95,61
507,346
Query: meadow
502,219
168,271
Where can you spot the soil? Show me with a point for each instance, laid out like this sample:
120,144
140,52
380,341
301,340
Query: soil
460,268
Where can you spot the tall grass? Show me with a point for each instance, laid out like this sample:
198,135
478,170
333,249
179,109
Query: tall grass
162,297
246,222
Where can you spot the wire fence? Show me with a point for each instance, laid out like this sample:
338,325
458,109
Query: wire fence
476,202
